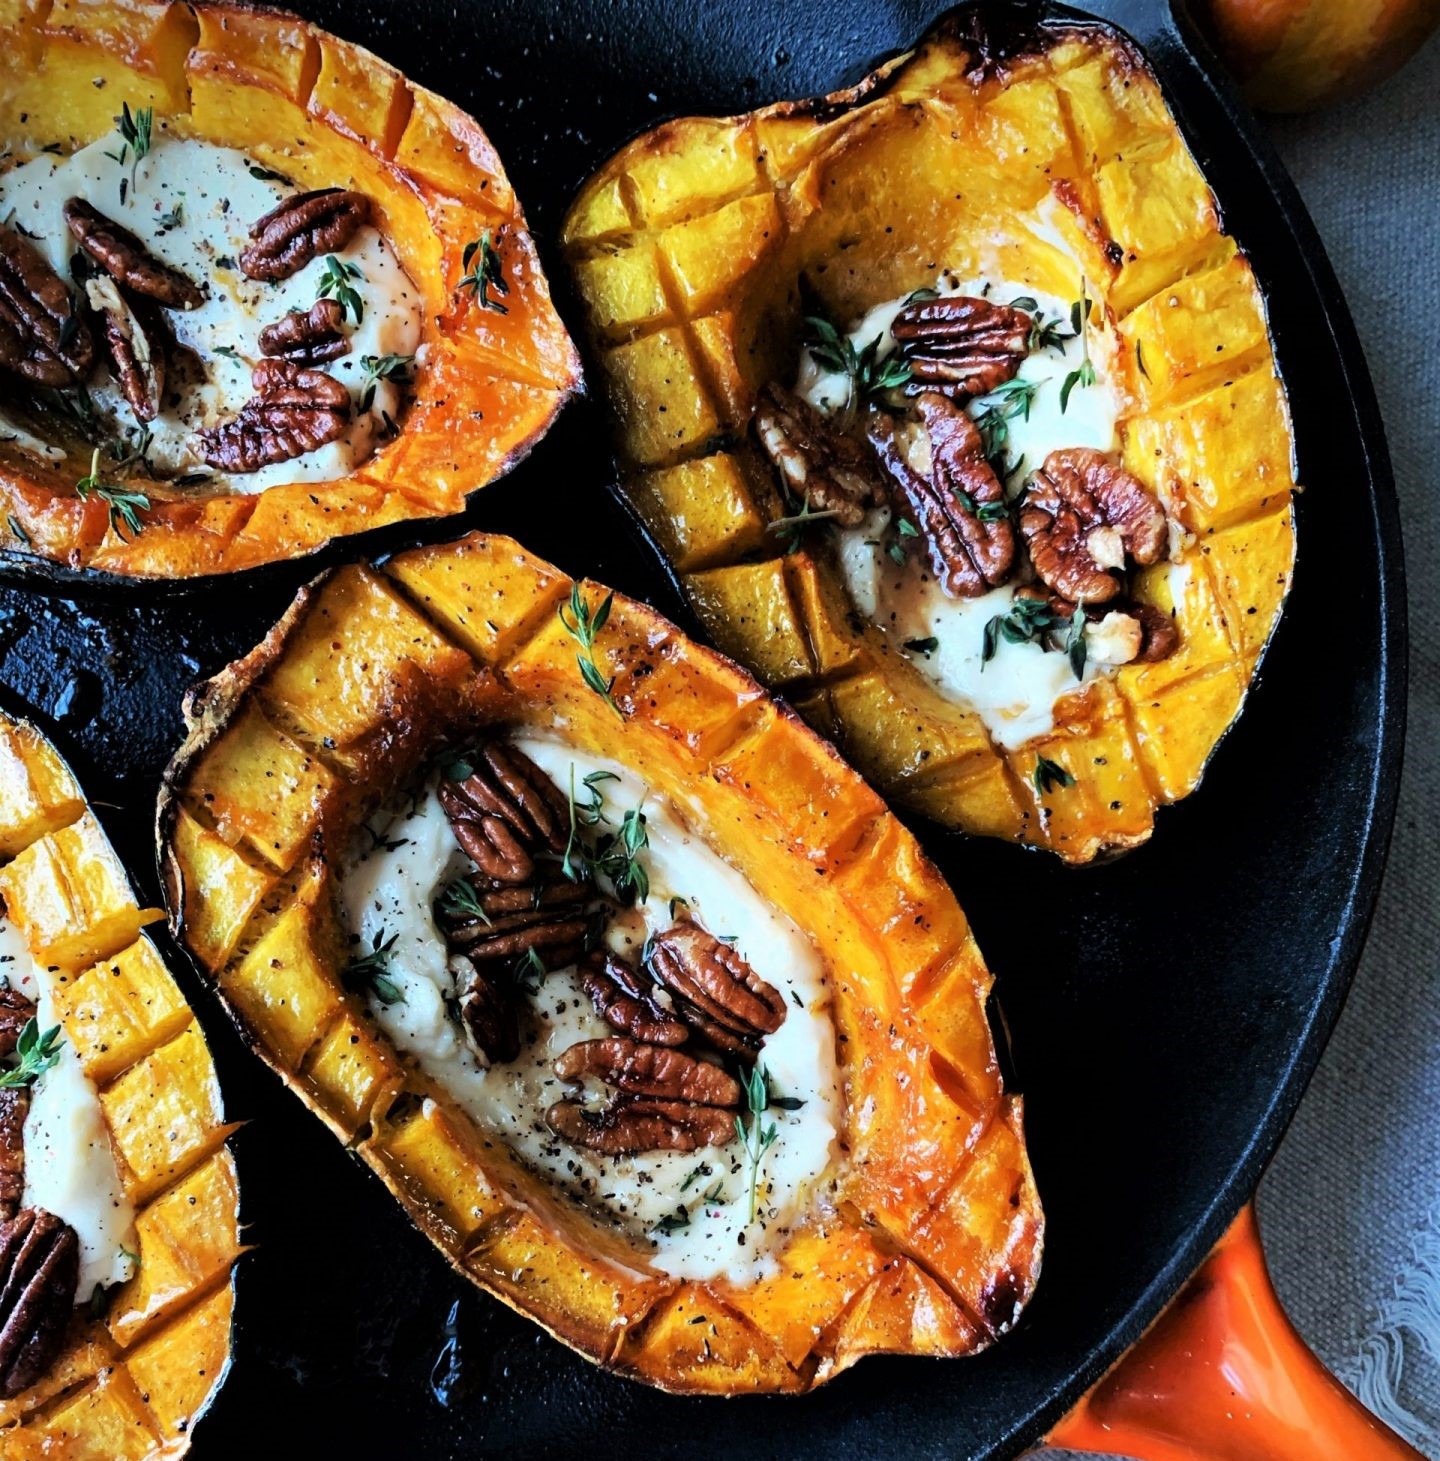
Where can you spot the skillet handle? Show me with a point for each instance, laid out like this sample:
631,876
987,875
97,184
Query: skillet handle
1223,1376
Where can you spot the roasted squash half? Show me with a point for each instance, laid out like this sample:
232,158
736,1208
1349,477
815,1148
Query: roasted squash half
487,380
131,1380
700,246
934,1240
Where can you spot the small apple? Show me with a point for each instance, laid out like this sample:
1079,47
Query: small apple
1295,55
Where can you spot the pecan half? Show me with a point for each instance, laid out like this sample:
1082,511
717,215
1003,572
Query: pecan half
43,336
308,336
1082,517
504,812
943,483
135,342
717,993
14,1107
294,411
15,1013
960,345
625,999
39,1268
490,1008
553,928
127,260
816,461
649,1070
300,228
629,1125
1159,634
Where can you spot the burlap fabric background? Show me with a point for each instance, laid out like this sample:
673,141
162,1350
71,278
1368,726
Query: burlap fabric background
1351,1207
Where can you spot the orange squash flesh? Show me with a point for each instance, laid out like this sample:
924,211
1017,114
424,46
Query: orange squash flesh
326,113
133,1382
697,249
935,1244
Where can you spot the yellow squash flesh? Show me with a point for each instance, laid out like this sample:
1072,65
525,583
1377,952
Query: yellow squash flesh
688,249
131,1384
326,113
936,1242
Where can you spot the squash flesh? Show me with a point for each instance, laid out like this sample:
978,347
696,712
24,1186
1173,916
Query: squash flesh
922,1086
135,1381
687,249
326,113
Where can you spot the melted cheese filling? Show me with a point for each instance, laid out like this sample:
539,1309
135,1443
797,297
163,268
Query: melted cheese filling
1015,692
686,1214
192,205
70,1167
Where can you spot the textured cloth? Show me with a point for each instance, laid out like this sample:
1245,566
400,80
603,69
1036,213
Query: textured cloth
1350,1208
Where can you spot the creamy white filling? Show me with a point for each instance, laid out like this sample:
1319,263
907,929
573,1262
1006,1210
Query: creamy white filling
192,204
686,1213
1016,690
70,1167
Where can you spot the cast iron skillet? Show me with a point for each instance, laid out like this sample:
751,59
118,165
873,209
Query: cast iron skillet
1166,1009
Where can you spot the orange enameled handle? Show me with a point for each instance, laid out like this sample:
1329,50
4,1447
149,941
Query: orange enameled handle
1223,1376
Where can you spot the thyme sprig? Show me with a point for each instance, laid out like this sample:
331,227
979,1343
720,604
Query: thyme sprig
615,854
789,529
757,1138
1050,774
136,136
336,283
37,1052
584,625
1084,373
375,368
999,408
460,900
866,373
124,507
372,971
483,272
1027,621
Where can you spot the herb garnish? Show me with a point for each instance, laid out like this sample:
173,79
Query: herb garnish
865,372
1050,774
135,139
124,506
37,1053
926,646
460,900
788,529
1001,407
335,283
372,971
1140,358
1028,620
615,855
584,625
1084,373
376,368
483,273
757,1138
530,971
268,174
16,530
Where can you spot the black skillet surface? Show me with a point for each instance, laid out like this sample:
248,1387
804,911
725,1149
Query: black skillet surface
1166,1009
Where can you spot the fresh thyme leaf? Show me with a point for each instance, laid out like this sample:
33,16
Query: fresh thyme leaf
173,218
1075,646
372,971
867,374
674,1222
135,139
1140,358
483,272
1084,374
998,409
1049,774
530,971
695,1174
756,1137
1026,302
926,646
460,900
919,296
678,905
787,1103
1025,621
993,512
788,529
16,531
335,283
375,368
36,1052
906,528
124,507
896,552
584,624
268,174
1048,335
616,854
228,351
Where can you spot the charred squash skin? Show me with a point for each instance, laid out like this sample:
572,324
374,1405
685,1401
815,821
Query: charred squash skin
936,1244
140,1376
326,113
689,248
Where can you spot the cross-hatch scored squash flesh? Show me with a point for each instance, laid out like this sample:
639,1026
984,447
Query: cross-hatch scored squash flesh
930,1240
1055,167
298,110
141,1360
